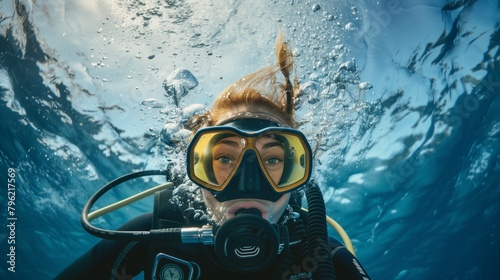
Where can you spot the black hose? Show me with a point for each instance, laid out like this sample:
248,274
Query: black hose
317,235
152,235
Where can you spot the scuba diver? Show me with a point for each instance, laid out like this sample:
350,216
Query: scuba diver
248,168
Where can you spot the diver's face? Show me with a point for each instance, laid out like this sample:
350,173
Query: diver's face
224,158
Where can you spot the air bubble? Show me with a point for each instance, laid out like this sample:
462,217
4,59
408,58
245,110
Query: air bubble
316,7
153,103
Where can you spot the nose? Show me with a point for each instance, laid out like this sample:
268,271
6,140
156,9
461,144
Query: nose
251,177
249,181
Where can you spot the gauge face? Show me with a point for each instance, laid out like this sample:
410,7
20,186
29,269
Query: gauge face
171,272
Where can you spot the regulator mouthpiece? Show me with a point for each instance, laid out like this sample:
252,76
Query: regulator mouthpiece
247,242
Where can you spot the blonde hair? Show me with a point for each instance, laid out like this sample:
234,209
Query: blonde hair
260,89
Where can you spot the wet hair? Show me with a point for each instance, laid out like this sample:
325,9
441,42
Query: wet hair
265,89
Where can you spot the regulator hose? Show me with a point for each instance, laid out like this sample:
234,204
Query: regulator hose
317,234
173,234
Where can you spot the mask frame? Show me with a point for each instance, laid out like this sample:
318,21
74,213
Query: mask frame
297,160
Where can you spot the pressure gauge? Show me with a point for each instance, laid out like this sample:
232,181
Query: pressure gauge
171,272
168,267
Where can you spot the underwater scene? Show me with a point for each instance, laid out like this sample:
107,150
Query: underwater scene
399,100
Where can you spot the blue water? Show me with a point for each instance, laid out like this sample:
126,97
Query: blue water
400,99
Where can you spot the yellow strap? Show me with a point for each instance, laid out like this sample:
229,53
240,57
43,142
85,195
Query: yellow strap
341,232
99,212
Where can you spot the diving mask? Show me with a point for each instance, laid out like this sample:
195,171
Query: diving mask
249,158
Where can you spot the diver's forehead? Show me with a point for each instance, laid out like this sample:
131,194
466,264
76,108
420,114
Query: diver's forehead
234,141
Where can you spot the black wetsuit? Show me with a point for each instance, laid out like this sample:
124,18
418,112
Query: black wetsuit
122,260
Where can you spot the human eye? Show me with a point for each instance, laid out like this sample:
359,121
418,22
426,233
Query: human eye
273,161
224,160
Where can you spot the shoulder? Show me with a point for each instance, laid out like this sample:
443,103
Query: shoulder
347,266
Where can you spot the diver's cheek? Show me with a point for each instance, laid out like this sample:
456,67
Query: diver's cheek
279,207
213,206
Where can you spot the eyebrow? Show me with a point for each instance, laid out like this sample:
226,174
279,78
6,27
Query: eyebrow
271,145
233,143
228,142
